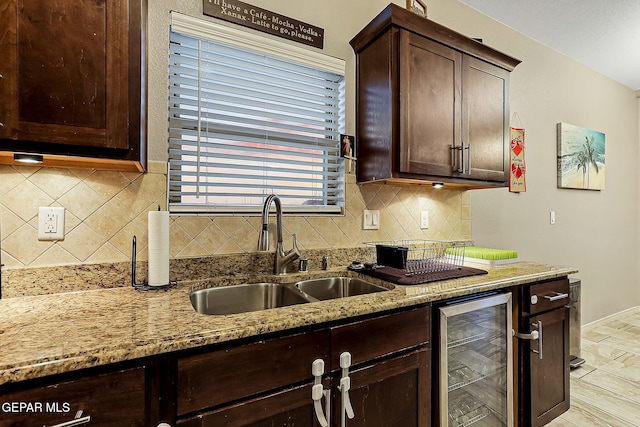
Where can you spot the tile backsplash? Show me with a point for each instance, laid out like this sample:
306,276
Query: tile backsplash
105,209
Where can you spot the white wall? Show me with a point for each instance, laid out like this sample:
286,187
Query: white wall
596,232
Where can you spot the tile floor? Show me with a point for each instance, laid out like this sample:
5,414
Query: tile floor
605,391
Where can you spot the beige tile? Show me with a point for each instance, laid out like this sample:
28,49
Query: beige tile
82,201
55,255
193,226
614,384
25,199
604,400
108,253
192,249
24,246
106,221
82,242
131,201
213,238
106,183
246,238
54,181
583,414
153,185
9,178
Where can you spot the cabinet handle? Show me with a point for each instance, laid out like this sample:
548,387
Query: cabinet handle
557,296
75,422
469,158
317,393
454,158
344,387
539,350
461,158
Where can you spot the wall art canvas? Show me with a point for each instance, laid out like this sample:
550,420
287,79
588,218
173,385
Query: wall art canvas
581,159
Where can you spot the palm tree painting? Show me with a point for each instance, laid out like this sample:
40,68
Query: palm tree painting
581,160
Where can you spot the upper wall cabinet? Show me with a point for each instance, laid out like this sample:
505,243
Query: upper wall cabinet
72,82
432,105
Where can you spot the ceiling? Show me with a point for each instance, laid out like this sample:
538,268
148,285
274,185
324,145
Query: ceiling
603,35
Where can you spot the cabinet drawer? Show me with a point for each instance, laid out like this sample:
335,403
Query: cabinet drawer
221,376
380,336
545,296
109,400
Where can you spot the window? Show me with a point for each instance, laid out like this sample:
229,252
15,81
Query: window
249,117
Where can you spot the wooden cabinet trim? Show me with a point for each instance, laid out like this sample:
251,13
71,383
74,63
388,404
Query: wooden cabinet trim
214,378
372,338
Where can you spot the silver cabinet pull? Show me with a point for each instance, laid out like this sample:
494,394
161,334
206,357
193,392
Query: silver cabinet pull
557,296
75,422
539,350
469,158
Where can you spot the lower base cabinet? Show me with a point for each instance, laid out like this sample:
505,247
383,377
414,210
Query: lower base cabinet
269,382
114,399
393,392
290,407
543,374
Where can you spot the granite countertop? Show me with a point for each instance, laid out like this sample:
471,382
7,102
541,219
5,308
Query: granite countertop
50,334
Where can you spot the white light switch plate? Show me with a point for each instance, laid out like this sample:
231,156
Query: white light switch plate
51,223
370,219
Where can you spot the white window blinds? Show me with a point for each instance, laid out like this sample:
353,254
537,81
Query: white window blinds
244,124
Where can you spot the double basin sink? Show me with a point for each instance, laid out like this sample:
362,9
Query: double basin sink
262,296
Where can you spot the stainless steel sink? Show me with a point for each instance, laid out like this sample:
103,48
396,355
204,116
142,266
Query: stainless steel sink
337,287
244,298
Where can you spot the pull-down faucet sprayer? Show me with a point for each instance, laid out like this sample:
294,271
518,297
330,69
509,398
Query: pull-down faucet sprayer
282,259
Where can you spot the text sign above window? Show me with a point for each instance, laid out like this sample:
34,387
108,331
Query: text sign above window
264,20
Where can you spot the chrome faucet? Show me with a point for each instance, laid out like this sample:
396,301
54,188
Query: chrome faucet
282,259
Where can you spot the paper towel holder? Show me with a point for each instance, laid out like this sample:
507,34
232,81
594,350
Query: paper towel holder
144,286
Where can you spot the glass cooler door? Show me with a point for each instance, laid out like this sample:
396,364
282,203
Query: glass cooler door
476,363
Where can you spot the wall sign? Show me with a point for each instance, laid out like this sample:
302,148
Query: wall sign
264,20
517,181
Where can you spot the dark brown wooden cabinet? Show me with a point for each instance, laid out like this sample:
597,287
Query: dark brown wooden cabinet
431,104
390,379
543,374
72,82
113,399
390,392
269,382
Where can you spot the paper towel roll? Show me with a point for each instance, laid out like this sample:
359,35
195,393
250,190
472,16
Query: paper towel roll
158,225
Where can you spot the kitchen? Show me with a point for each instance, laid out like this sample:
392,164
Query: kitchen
107,208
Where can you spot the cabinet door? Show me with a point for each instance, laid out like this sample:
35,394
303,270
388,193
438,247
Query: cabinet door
485,118
71,79
108,400
218,377
549,368
291,407
393,392
430,79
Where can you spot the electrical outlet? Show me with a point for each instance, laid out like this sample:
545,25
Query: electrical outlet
424,219
50,223
370,219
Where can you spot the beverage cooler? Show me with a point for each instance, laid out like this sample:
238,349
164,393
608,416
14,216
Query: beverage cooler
476,362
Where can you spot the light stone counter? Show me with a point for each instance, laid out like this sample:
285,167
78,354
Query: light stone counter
48,334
